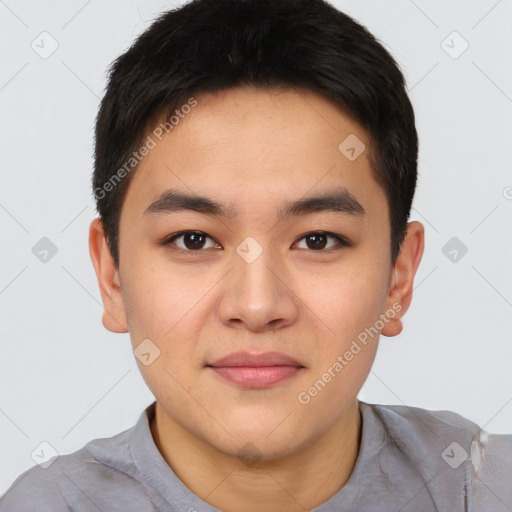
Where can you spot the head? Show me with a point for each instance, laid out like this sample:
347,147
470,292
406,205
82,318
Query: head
265,127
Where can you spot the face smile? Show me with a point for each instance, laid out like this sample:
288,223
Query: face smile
253,252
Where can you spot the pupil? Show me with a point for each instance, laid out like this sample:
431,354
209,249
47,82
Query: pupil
194,238
315,244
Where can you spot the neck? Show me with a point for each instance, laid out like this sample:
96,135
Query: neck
300,481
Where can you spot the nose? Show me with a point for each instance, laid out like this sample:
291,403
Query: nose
258,296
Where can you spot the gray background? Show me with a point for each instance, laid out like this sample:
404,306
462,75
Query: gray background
65,380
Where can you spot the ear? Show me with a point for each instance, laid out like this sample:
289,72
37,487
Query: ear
107,273
402,278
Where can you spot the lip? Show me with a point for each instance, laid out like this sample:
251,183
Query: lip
256,370
255,360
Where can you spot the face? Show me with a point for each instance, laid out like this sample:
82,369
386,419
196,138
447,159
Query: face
254,276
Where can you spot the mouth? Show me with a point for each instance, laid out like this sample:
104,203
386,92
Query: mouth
256,370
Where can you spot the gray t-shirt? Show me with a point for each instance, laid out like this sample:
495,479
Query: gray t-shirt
410,460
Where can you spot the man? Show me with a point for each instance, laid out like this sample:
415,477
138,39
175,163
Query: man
255,167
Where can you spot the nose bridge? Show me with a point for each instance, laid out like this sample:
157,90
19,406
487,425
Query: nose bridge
256,293
256,283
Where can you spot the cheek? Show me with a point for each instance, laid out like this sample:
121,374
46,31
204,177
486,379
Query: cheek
169,308
348,300
157,295
348,307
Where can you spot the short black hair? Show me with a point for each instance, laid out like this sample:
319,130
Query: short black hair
214,45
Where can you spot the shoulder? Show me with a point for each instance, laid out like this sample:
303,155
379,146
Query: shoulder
82,477
417,427
33,489
435,425
441,442
425,437
424,422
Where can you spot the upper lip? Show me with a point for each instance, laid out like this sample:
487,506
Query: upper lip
247,359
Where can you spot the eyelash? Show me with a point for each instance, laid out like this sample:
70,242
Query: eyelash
168,241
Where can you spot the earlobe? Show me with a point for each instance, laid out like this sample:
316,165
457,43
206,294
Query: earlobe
400,292
107,274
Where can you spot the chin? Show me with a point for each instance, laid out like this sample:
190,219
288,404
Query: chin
254,451
264,442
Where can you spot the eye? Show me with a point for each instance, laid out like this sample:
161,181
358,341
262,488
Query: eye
189,241
195,241
317,241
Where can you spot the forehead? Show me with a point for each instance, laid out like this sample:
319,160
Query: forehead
253,147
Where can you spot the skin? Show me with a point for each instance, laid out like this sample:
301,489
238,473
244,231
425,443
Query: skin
254,150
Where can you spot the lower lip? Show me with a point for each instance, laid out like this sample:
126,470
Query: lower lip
256,377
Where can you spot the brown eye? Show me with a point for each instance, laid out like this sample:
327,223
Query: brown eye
190,241
193,241
318,241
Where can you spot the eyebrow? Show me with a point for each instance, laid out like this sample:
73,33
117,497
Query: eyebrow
337,200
